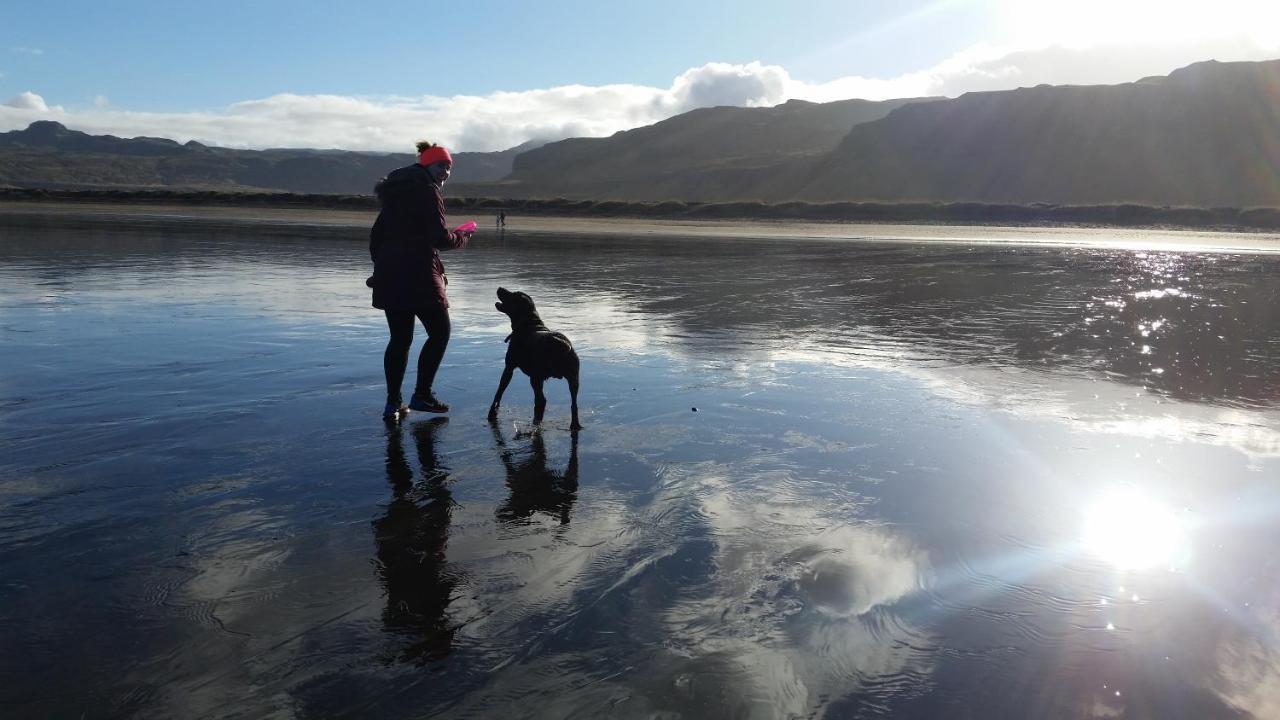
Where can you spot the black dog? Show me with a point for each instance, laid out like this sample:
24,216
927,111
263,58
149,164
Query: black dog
538,352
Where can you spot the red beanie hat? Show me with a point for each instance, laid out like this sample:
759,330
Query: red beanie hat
434,155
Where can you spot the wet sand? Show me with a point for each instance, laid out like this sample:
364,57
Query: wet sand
923,480
1068,236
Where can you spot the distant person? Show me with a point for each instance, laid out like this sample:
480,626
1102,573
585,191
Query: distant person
502,218
408,277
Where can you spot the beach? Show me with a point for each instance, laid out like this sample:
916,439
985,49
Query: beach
824,468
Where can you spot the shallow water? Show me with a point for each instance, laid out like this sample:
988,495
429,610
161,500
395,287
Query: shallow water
921,481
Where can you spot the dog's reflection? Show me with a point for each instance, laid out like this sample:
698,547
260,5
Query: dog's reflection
411,540
536,488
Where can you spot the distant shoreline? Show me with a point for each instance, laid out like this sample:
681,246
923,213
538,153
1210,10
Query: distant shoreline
979,214
352,225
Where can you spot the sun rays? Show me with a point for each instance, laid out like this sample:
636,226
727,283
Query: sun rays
1100,22
1133,530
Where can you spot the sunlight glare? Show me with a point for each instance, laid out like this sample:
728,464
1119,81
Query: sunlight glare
1091,22
1134,531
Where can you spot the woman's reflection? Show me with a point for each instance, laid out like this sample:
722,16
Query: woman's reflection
411,540
534,486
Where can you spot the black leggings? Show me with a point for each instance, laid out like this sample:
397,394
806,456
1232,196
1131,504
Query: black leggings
396,358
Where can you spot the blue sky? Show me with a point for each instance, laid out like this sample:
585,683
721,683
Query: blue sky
486,73
177,55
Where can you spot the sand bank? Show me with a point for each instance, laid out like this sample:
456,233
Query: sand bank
357,221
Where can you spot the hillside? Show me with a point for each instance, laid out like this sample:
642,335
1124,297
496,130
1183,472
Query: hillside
47,154
1206,135
708,154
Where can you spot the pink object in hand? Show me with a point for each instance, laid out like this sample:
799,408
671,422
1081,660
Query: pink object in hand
466,227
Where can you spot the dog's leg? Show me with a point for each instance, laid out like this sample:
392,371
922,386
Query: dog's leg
539,399
502,387
573,399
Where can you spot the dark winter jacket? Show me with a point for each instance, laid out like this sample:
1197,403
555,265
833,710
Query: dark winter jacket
406,241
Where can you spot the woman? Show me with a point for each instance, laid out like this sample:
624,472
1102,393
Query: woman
408,278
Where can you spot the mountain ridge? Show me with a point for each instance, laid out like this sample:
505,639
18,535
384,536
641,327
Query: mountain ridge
700,155
48,154
1205,135
1198,136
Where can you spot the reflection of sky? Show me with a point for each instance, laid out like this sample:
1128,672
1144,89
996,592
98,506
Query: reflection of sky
793,601
855,506
1248,676
1084,405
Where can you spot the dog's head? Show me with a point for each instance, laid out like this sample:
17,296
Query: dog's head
514,304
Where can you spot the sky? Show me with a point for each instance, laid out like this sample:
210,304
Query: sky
487,75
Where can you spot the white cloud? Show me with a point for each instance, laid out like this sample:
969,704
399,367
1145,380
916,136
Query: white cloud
26,102
505,119
463,122
750,85
27,50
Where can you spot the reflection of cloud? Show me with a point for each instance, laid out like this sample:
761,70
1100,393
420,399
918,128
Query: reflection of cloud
1102,408
1081,403
609,325
232,565
1100,709
1249,668
850,570
1228,428
238,563
790,602
552,563
739,599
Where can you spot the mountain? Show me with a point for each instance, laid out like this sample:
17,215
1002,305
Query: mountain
45,134
1206,135
706,154
484,167
47,154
